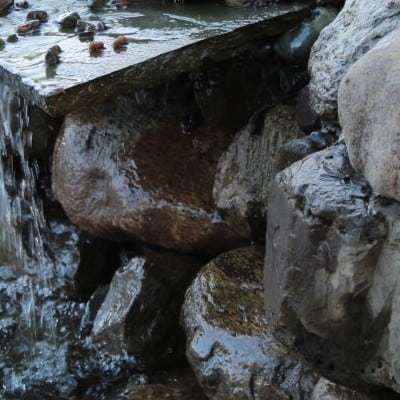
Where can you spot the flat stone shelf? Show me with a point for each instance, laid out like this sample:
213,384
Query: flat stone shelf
164,40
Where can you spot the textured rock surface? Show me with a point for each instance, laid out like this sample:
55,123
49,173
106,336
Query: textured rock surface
326,390
246,170
143,169
323,242
123,174
297,149
369,115
229,347
383,303
306,117
174,385
358,27
140,313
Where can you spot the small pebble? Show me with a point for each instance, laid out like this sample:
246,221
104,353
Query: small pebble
12,38
69,21
83,26
28,27
40,15
22,4
96,47
101,26
120,42
53,55
24,28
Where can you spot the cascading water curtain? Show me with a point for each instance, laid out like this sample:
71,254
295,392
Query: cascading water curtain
21,242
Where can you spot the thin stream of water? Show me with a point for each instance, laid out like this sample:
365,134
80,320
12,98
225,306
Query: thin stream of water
41,343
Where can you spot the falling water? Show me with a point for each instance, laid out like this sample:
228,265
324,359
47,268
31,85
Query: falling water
27,275
41,344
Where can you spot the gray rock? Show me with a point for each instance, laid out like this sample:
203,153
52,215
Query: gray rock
297,149
229,345
92,308
69,21
358,27
246,170
369,114
53,55
40,15
83,26
306,117
383,307
326,390
295,45
323,240
140,313
13,38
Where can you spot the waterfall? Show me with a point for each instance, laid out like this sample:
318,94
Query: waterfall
29,278
41,341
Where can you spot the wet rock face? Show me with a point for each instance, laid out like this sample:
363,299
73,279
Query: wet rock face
323,242
295,45
126,175
228,341
369,115
297,149
246,170
144,168
140,313
358,27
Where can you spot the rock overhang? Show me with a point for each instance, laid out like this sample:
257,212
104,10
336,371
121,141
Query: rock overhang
163,44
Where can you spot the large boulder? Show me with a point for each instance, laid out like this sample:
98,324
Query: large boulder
383,301
370,116
229,344
331,271
143,168
130,175
245,171
140,312
357,28
323,242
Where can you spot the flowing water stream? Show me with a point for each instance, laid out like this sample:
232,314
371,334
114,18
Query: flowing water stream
41,343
